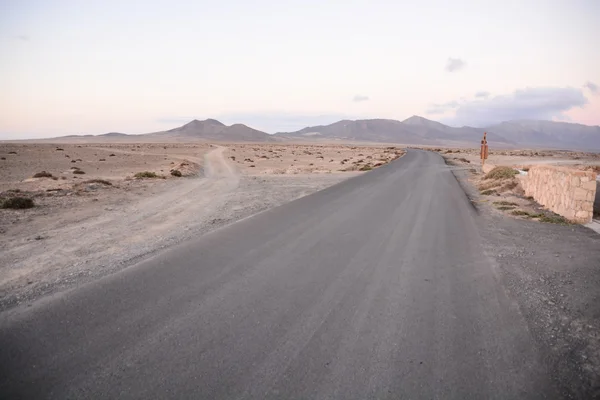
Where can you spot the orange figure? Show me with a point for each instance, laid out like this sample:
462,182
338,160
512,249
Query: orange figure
484,149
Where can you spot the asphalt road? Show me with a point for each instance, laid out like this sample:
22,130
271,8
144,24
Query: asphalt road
377,287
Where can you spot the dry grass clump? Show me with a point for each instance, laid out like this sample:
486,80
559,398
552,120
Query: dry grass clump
505,203
501,173
521,213
146,174
100,181
488,185
488,192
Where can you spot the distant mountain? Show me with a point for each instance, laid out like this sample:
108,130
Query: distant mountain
211,129
114,134
550,134
414,130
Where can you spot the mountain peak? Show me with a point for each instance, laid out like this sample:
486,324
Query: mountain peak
208,121
417,120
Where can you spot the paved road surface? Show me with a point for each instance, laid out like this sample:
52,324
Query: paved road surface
377,287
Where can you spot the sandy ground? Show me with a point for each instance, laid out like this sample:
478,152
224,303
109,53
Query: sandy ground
87,225
292,159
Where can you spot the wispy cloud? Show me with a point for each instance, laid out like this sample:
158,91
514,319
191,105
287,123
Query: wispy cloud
442,108
454,64
543,103
592,87
482,94
359,97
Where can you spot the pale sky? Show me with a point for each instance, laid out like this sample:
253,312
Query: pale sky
91,67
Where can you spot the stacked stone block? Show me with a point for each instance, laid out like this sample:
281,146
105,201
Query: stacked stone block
566,191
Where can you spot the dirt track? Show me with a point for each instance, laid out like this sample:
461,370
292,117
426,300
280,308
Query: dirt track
53,252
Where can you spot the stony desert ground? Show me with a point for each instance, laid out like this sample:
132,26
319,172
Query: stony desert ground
102,206
502,192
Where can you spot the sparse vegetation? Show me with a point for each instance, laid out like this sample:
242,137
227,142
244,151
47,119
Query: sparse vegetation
501,173
510,185
146,174
176,172
464,160
521,213
59,149
111,155
102,159
17,203
489,185
488,192
366,167
506,208
43,174
78,171
12,152
553,219
100,181
505,203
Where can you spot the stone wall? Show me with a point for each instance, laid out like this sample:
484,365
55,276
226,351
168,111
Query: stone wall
567,192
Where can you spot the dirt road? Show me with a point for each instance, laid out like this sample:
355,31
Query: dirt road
60,250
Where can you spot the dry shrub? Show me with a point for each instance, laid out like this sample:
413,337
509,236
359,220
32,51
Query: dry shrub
78,172
501,173
146,174
100,181
43,174
18,203
176,173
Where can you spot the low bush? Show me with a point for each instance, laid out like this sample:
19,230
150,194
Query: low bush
18,203
146,174
176,173
43,174
501,173
78,172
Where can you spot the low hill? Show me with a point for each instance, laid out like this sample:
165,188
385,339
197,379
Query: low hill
211,129
414,130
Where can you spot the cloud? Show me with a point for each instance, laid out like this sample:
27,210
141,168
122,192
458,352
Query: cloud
541,103
482,94
24,38
592,87
442,108
358,98
454,64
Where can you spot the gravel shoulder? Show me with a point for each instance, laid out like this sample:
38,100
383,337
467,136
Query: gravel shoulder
553,273
51,253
